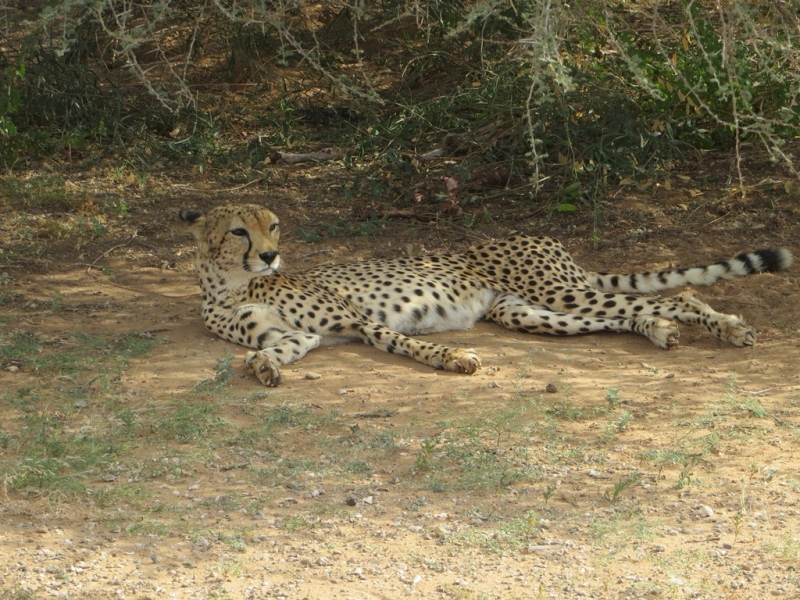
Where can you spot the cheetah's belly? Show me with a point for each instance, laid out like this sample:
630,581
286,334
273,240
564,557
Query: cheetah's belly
425,314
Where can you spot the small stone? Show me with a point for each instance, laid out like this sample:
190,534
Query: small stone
705,511
494,384
659,548
81,404
416,580
12,368
323,561
367,500
202,544
551,388
350,501
597,474
312,375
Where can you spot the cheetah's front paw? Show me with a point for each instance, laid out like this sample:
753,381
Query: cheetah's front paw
735,330
462,361
264,368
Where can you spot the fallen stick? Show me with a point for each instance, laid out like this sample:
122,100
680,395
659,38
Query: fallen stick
290,158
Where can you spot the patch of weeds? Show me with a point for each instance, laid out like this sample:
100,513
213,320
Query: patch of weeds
510,534
16,593
618,425
45,475
476,454
307,236
52,458
235,541
424,461
189,422
54,304
788,548
621,486
113,495
46,192
620,528
331,418
148,527
344,228
295,522
18,347
231,569
132,344
754,408
285,415
223,371
6,299
361,467
685,476
418,504
128,418
738,522
567,411
294,467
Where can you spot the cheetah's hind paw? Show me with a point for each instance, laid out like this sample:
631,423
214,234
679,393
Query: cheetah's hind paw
734,330
662,332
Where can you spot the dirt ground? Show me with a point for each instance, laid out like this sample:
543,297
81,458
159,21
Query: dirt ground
632,472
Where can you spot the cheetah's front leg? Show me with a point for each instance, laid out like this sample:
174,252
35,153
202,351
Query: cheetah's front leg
285,349
457,360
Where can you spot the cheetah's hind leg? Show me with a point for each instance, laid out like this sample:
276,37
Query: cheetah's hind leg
728,328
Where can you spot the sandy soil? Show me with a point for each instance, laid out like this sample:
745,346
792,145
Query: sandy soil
582,415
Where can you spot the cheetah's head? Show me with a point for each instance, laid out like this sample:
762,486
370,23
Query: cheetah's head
236,241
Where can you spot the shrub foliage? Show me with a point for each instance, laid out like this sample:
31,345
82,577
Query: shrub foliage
529,95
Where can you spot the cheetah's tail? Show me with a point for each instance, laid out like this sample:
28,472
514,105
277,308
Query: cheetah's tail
747,263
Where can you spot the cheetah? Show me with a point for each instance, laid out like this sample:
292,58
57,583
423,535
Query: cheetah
528,284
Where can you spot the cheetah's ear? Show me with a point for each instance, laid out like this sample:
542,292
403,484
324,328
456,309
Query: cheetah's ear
190,216
194,219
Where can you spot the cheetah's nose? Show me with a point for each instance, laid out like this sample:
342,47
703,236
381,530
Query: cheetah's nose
268,257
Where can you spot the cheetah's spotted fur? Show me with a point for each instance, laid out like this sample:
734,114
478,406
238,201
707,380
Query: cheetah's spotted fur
524,283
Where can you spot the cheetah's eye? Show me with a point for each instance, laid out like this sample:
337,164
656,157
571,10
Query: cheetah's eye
273,227
239,232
